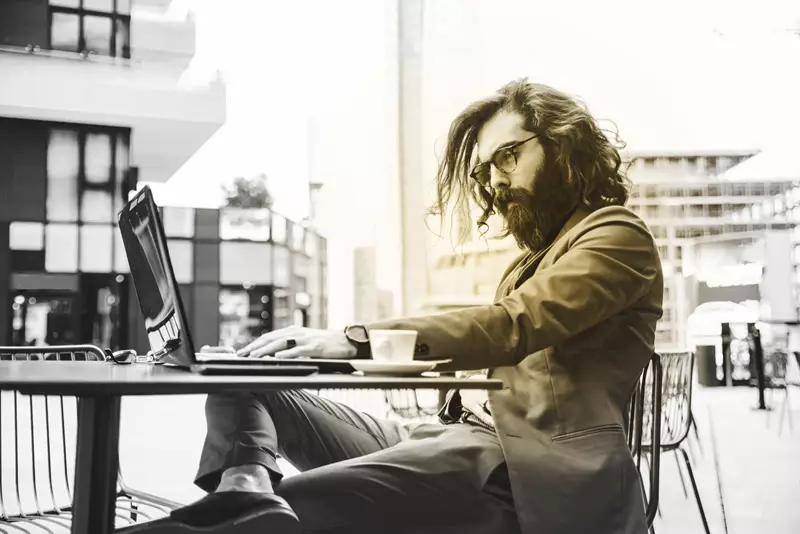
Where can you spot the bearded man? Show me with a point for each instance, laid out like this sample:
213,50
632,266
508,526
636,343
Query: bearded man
571,328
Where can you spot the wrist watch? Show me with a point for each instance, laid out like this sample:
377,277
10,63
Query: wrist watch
358,336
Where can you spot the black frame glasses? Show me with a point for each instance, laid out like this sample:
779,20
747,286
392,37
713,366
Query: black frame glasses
504,159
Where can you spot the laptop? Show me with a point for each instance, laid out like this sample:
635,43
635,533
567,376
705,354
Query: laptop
162,308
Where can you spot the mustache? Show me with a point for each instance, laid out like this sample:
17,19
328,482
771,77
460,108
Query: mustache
504,197
512,194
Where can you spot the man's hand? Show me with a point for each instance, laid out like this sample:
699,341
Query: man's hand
299,342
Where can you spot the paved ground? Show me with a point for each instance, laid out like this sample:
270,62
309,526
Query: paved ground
759,469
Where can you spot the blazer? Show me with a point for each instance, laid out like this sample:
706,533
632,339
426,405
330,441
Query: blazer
570,331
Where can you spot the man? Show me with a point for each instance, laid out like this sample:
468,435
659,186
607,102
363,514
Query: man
570,331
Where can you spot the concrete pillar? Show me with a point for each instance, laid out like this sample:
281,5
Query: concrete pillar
411,186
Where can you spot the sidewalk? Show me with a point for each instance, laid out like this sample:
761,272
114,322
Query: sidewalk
759,471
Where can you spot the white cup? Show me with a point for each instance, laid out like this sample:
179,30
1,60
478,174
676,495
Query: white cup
392,346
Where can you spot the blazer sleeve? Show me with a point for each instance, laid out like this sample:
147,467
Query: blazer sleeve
611,262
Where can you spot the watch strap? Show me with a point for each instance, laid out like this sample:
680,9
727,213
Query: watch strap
363,348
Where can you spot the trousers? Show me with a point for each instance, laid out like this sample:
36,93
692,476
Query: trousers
361,474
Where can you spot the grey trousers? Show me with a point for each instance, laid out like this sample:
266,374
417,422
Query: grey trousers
362,474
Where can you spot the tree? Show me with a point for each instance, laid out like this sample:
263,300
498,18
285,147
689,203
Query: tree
248,193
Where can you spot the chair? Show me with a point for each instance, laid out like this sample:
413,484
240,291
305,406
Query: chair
406,405
645,418
37,455
778,379
676,416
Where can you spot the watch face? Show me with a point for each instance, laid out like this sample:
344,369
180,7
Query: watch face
357,334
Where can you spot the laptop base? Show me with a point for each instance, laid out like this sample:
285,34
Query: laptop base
262,370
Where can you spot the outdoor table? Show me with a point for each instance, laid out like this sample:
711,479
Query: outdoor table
99,388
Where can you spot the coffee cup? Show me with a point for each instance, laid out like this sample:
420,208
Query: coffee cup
392,346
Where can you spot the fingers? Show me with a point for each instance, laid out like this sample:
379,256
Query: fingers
274,346
266,339
303,351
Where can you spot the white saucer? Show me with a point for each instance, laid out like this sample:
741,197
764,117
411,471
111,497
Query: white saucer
372,367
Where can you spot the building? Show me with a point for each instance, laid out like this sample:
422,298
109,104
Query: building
242,273
95,95
702,213
694,204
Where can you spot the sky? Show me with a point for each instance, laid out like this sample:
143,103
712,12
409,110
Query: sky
691,74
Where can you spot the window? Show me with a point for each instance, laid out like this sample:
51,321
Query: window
245,262
86,171
178,222
96,254
100,27
711,165
98,149
63,169
26,236
298,237
181,252
278,228
61,248
283,267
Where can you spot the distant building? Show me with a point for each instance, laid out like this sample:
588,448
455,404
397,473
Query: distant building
693,201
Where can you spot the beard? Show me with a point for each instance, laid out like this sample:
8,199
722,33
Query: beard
533,218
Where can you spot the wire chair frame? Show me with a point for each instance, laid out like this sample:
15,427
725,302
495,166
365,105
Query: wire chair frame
677,418
645,420
676,400
405,405
41,493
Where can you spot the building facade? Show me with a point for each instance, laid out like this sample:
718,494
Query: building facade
95,95
688,201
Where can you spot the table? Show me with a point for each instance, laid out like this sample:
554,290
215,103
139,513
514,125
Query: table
100,386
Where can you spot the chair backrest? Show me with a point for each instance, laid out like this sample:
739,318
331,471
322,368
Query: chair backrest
37,439
676,399
644,423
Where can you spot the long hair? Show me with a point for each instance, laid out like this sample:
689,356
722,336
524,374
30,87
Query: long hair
570,136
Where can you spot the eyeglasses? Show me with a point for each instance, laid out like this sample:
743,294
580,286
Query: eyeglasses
504,160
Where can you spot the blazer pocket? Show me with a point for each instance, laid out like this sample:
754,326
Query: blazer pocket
600,429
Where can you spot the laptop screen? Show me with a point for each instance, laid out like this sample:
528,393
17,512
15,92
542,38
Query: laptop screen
154,280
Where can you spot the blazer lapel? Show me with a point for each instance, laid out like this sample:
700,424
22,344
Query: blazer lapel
526,268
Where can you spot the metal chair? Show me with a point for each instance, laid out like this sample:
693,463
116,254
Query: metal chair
676,416
644,422
406,405
37,455
777,378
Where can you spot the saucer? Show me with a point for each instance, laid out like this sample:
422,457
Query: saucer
372,367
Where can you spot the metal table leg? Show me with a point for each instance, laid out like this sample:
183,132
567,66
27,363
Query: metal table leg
758,349
96,465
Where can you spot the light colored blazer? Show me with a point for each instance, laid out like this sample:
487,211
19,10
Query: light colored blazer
570,331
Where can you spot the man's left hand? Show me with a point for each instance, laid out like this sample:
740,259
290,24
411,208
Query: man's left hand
300,342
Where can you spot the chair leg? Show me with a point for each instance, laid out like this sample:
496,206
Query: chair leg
680,474
649,468
694,487
784,408
768,402
696,434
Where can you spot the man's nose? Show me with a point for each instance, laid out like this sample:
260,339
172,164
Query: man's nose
498,179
